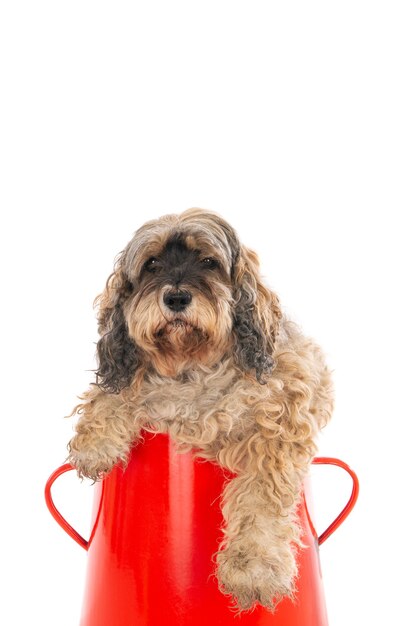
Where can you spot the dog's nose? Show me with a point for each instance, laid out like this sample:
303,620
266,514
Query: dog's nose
177,300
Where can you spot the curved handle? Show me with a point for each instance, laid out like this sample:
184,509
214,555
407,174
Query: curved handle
54,511
352,500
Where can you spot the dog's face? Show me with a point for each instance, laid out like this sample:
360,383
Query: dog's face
180,310
184,291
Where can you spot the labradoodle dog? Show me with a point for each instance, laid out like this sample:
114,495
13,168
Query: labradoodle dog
194,344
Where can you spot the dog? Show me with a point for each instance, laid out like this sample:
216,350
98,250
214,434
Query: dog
194,344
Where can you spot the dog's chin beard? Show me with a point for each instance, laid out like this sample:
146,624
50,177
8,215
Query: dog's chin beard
177,345
177,325
181,337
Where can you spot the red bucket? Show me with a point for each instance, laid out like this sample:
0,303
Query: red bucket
150,553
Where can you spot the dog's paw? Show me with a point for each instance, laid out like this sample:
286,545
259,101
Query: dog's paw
252,578
89,468
90,462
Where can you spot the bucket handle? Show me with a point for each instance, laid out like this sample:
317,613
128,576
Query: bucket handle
54,511
59,518
325,460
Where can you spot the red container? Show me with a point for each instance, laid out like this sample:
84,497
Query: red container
157,526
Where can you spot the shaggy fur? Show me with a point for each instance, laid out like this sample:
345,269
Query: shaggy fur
193,344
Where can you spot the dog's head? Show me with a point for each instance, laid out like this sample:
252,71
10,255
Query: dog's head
184,291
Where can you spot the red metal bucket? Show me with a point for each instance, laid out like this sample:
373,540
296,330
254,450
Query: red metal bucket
157,526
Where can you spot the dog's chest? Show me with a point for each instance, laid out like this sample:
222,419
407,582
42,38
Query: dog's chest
191,399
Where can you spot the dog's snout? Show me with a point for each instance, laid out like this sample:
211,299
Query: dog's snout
177,300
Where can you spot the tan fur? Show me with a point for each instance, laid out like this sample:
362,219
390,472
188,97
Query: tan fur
264,433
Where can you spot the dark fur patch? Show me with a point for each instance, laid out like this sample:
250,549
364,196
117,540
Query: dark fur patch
251,347
117,354
178,265
254,344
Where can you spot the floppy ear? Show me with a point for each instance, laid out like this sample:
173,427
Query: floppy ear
117,354
256,317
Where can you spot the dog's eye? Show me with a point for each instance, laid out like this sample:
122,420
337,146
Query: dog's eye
151,264
209,263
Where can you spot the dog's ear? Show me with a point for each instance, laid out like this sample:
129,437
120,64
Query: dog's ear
256,316
117,354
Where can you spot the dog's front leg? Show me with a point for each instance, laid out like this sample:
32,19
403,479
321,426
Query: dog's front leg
105,432
256,561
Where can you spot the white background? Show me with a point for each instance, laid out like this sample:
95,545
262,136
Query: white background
296,121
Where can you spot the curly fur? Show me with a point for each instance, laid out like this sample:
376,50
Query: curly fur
229,377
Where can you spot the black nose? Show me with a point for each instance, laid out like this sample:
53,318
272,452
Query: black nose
177,300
